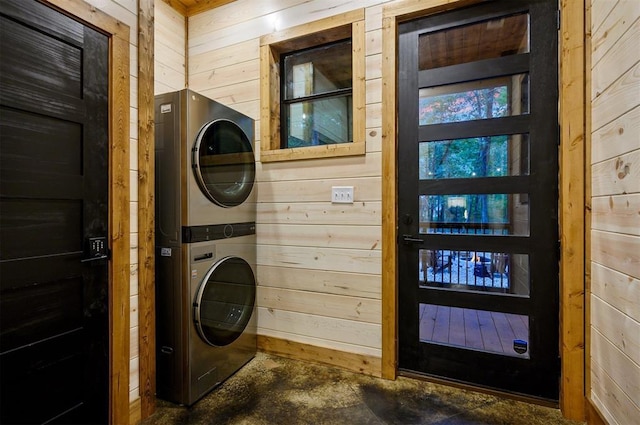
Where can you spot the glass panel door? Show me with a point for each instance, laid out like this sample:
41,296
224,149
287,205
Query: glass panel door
477,190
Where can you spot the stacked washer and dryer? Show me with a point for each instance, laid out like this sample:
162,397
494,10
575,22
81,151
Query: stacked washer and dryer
205,244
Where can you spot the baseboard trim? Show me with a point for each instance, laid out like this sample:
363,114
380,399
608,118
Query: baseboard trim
360,363
594,417
135,412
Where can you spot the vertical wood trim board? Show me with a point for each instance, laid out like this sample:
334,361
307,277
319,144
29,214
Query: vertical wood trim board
572,207
146,208
588,209
119,219
389,201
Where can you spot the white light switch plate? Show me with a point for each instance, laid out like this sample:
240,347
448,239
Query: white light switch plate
342,194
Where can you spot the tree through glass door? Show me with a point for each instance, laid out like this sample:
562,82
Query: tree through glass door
477,190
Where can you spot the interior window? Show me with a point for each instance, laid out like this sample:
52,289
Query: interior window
311,106
317,98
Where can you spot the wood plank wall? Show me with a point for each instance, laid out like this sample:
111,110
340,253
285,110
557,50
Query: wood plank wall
319,264
170,48
615,210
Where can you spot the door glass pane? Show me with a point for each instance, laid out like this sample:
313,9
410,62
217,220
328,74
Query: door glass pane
475,214
490,156
473,271
474,100
494,332
483,40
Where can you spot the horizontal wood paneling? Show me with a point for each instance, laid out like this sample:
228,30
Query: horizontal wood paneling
616,251
617,365
616,289
617,175
365,189
225,76
615,210
169,48
617,99
611,396
315,169
321,213
614,25
232,55
620,329
616,59
616,138
319,304
321,327
619,214
305,257
363,286
328,236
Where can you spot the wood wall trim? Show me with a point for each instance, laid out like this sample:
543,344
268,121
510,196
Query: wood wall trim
119,221
389,201
587,216
303,36
572,208
354,362
594,417
146,209
135,412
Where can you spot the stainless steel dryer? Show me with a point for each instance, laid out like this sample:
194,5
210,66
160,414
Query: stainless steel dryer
206,148
205,245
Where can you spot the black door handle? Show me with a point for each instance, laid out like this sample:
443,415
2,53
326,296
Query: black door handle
408,240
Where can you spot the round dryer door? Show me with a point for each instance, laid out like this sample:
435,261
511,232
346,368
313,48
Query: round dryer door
224,164
225,301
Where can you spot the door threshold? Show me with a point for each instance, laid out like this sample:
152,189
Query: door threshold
480,389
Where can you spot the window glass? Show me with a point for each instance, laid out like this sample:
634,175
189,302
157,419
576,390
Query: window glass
473,157
317,104
320,122
473,270
483,330
475,100
483,40
475,214
319,70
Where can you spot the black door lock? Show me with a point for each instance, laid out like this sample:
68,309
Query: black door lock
96,249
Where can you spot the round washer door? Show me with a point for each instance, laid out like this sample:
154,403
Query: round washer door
224,164
224,302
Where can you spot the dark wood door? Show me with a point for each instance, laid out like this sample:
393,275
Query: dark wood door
54,336
478,195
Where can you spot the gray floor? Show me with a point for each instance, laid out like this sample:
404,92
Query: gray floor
275,390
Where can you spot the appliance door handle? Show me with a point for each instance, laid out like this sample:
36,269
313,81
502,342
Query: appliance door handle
205,256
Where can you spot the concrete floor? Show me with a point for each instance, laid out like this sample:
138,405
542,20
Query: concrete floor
275,390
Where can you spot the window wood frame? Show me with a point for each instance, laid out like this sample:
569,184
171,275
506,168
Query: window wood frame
272,46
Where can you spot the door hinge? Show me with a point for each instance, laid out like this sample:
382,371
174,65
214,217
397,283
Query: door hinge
559,247
558,19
